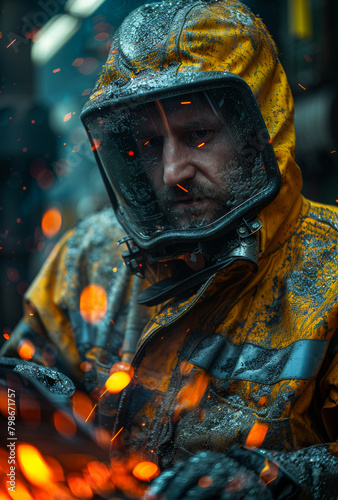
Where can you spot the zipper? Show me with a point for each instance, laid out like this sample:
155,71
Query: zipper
151,336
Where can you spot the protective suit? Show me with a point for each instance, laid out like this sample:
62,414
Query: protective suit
248,357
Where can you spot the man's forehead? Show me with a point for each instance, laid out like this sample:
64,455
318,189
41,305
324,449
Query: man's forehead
183,111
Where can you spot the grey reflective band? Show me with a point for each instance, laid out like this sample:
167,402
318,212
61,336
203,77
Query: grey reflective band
227,361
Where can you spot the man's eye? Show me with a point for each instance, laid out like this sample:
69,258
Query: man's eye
195,137
201,133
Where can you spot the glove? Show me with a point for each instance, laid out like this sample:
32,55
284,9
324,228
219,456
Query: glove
238,474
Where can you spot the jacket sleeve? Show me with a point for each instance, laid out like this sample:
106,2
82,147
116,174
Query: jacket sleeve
45,334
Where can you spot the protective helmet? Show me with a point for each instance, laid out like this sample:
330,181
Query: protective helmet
178,135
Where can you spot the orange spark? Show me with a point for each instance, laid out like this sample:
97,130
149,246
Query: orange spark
118,432
186,102
256,435
334,151
146,471
182,188
200,145
56,70
95,405
302,86
11,43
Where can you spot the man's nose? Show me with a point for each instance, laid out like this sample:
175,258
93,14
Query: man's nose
177,162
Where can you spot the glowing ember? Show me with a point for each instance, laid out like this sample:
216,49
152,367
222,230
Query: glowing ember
96,144
269,473
33,465
186,102
26,349
67,117
93,303
146,471
192,392
200,145
131,153
51,222
302,86
182,188
257,435
117,382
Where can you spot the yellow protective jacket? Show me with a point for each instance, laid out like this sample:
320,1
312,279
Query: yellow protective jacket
250,358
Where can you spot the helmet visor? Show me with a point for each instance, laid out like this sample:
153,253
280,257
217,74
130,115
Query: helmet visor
182,164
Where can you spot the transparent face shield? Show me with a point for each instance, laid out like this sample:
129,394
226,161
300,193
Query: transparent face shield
183,164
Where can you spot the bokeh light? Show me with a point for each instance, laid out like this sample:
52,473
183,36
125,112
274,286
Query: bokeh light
93,303
51,222
146,471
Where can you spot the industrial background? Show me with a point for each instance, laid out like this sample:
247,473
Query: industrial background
51,52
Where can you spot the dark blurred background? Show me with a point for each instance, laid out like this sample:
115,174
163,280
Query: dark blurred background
51,52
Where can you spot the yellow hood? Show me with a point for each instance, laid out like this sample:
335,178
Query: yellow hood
215,36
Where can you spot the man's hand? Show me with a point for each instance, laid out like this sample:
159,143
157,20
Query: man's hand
240,473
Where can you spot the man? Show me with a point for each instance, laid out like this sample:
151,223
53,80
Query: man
233,345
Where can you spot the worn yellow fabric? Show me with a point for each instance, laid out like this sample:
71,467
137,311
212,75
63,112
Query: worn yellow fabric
270,320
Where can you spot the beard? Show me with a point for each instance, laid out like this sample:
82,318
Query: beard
211,204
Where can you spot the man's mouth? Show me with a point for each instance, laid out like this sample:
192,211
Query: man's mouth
188,202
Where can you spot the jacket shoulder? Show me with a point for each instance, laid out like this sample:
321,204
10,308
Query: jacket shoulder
325,214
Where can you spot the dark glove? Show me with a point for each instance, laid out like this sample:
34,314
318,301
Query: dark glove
238,474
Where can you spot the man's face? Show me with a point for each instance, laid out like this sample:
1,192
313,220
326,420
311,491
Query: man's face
190,158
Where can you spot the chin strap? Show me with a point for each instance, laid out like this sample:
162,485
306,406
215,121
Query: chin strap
243,246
